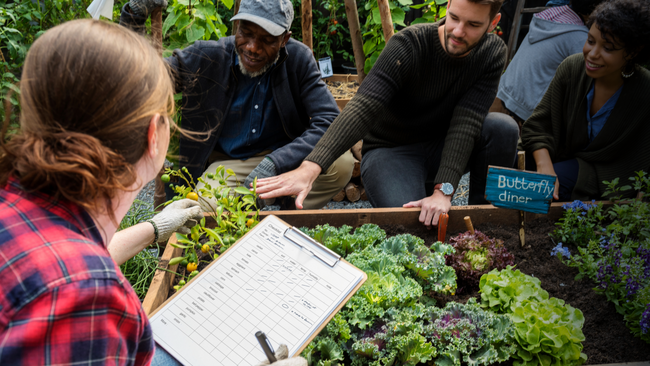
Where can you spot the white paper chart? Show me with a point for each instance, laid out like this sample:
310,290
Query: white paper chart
265,282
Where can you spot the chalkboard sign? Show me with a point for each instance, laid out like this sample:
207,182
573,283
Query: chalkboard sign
519,190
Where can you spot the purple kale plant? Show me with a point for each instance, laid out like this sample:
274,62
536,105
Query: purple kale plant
476,254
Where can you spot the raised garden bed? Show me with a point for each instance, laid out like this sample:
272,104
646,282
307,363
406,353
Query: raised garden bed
607,339
343,88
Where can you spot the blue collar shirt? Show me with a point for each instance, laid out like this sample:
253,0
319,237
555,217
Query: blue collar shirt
253,123
596,122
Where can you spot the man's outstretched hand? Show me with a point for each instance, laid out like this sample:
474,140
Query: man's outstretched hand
432,207
297,183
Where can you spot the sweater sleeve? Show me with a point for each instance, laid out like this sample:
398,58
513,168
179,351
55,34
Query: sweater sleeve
468,116
382,84
319,104
537,131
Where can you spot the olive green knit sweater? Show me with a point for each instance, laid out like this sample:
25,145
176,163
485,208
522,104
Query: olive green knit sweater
559,124
416,92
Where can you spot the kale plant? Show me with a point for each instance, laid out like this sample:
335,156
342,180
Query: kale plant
469,333
477,254
382,324
342,241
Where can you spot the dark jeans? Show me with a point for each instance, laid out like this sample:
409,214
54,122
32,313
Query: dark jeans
566,171
398,175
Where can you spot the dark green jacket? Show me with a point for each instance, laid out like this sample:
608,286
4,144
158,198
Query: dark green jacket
559,124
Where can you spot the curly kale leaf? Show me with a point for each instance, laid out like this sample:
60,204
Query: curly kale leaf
477,254
468,333
427,265
342,241
324,350
399,339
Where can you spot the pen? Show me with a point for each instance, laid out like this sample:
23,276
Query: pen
266,346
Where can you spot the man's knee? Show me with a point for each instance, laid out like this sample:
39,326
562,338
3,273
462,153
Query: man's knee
500,127
340,172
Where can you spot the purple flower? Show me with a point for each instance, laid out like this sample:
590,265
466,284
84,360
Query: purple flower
645,320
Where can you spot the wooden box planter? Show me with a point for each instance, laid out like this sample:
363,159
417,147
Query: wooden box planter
342,78
408,218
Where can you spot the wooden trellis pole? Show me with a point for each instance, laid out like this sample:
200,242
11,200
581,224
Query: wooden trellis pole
521,165
235,11
307,35
355,36
386,19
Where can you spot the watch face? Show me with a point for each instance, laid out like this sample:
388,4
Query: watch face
447,189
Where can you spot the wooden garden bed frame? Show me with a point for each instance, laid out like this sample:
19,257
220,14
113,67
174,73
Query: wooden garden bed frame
408,217
344,79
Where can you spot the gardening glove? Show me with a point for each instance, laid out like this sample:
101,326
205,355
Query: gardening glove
281,355
144,7
265,169
179,216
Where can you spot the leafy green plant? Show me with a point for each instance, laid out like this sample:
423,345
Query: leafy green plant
193,20
373,35
383,322
234,210
140,269
580,223
433,10
547,331
466,332
477,254
613,249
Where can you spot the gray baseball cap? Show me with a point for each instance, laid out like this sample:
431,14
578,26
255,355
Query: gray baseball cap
275,16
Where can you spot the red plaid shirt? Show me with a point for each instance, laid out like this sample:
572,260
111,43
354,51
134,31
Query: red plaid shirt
64,301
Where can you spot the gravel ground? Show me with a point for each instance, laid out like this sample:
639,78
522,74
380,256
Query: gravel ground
460,198
146,194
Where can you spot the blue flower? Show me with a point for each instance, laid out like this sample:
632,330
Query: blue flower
564,251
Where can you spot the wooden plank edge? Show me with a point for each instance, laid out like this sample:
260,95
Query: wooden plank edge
162,280
341,103
409,217
344,78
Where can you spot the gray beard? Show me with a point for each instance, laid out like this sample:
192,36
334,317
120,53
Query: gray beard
256,73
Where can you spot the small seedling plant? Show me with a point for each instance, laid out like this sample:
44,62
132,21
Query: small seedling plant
233,210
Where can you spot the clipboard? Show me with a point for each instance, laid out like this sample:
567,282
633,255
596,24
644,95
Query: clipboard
290,253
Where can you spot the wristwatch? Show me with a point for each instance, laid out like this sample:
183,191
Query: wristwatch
446,188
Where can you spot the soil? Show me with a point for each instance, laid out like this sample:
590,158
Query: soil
342,90
607,339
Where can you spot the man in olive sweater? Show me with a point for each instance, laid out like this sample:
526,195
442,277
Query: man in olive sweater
423,114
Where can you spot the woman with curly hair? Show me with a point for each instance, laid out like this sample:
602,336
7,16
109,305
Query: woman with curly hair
593,123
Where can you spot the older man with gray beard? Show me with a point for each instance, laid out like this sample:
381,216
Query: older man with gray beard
259,91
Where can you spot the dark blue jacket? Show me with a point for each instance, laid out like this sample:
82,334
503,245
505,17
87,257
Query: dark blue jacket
204,73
